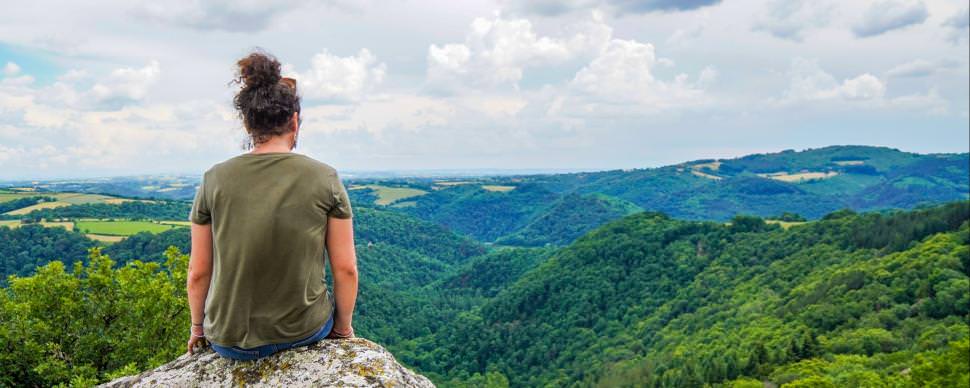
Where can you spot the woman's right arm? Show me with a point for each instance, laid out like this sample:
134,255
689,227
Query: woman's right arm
343,264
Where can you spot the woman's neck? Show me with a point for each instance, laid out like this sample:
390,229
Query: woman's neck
276,144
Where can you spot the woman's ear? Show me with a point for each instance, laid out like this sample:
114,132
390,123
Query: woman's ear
296,121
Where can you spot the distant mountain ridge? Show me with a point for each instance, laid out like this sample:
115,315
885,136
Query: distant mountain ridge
811,183
534,210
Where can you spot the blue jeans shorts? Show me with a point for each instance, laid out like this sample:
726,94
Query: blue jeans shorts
237,353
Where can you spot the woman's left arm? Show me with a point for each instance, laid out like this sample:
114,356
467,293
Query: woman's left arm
197,287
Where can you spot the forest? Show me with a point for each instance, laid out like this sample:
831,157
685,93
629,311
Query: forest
856,276
852,299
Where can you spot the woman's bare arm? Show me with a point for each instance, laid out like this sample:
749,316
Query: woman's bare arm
343,264
199,274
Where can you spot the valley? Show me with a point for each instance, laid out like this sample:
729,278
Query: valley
839,266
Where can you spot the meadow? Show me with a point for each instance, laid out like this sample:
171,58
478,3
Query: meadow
122,228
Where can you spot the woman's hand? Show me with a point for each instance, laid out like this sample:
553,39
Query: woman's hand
197,339
336,333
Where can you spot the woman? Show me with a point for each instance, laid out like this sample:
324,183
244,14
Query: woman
263,223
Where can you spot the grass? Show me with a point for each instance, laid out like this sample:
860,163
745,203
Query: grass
700,170
58,224
387,194
42,205
799,177
705,175
122,228
177,223
105,238
49,224
62,199
785,224
10,196
713,166
498,188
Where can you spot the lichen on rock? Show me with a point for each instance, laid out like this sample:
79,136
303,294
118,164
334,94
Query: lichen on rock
354,362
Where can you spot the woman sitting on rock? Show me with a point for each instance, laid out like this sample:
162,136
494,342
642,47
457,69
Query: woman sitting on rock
263,224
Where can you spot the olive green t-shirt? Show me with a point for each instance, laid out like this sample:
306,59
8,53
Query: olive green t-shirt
269,223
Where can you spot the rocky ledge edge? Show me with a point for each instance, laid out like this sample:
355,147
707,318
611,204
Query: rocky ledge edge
354,362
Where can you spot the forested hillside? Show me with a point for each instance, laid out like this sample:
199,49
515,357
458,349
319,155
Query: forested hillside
858,275
665,302
25,248
853,299
809,183
531,210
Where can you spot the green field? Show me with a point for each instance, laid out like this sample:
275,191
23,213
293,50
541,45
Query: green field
122,228
500,188
10,195
42,205
387,194
62,199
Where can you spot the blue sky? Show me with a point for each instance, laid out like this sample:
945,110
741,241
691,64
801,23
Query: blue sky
132,87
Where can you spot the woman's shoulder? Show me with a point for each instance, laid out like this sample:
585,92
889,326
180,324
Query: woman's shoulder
316,165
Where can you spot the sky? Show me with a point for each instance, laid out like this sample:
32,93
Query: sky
109,88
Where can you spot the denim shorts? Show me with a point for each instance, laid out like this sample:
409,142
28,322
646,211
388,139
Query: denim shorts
237,353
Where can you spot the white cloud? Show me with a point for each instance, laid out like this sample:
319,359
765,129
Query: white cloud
863,87
496,52
790,19
620,81
708,76
915,68
889,15
226,15
340,78
558,89
559,7
809,82
930,102
405,112
11,69
959,25
21,80
65,133
127,83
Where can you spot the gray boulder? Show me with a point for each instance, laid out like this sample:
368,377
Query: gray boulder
354,362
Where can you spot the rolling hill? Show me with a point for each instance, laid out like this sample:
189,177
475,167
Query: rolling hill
649,300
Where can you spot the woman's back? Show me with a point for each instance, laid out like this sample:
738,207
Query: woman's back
269,214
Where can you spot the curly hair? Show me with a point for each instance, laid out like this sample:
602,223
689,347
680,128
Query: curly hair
266,102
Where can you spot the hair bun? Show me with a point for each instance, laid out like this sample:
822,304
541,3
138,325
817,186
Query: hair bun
259,69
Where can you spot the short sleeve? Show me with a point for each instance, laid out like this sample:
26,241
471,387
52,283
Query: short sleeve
200,213
341,201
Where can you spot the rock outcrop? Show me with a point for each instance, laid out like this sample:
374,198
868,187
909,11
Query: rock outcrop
353,362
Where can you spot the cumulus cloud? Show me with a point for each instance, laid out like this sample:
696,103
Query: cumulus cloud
863,87
225,15
930,102
66,133
397,111
790,19
559,7
11,69
340,79
959,25
496,52
621,82
810,83
915,68
614,76
890,15
127,84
